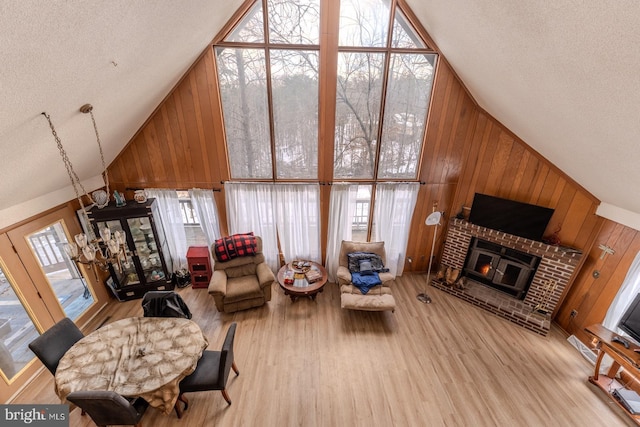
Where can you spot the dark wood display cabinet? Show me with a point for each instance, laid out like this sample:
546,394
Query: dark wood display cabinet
147,264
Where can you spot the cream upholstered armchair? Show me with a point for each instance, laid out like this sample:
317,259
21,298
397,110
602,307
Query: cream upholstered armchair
241,282
379,297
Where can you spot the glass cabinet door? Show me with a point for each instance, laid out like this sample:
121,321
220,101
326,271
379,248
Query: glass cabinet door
163,244
146,249
144,267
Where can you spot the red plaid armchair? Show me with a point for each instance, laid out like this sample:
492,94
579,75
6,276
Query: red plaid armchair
241,279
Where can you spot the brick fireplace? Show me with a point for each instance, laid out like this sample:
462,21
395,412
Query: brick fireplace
532,310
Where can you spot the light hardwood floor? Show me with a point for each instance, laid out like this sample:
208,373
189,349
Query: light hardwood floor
310,363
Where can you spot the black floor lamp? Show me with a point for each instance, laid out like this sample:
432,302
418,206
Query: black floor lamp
432,219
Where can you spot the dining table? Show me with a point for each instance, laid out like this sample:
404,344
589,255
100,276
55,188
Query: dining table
143,357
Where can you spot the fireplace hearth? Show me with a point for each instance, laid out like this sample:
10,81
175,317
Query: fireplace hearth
521,275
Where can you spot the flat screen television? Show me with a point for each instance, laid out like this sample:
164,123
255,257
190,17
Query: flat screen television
630,321
509,216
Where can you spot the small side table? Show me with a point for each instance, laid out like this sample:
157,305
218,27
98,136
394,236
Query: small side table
301,287
199,266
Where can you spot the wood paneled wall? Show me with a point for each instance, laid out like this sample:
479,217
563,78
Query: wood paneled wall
450,125
501,165
466,151
182,144
591,296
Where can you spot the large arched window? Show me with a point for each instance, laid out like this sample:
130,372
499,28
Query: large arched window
271,111
268,68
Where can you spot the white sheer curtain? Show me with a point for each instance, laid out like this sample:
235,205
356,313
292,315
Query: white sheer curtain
628,290
171,218
205,206
341,211
251,207
392,213
298,219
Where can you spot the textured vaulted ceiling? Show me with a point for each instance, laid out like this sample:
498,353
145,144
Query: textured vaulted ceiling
562,75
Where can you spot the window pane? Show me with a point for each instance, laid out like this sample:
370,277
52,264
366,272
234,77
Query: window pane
192,228
408,93
404,36
243,90
63,275
294,77
359,93
16,330
360,224
294,22
364,23
251,28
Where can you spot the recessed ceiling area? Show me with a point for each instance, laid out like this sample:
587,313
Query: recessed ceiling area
560,75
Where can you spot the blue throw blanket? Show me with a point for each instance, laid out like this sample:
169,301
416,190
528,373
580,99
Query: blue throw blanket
364,282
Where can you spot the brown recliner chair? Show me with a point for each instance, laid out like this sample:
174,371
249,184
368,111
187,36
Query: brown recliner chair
378,298
241,283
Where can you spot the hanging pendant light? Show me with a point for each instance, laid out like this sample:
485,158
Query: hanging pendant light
86,249
100,197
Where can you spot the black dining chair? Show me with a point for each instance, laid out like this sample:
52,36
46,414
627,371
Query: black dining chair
109,408
164,304
54,343
211,372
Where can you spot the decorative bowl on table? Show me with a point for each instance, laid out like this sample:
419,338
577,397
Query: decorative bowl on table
300,266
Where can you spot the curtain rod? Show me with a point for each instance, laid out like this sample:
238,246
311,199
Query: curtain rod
377,182
275,182
323,183
175,189
217,190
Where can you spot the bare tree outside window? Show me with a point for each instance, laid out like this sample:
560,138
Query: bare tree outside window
364,23
293,101
294,76
404,36
294,22
384,83
408,93
252,28
243,89
359,94
361,78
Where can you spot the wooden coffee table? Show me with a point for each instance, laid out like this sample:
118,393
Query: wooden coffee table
301,287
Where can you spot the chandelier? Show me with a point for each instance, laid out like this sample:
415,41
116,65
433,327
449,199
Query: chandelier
91,253
110,248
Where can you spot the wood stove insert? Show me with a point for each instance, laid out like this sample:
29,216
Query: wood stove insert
500,267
